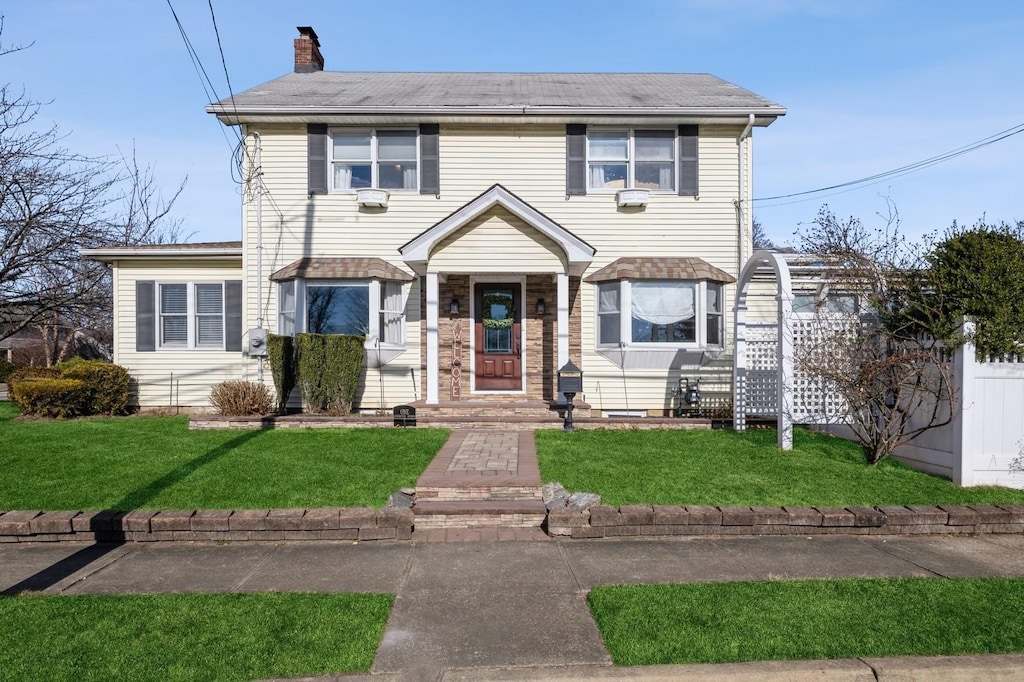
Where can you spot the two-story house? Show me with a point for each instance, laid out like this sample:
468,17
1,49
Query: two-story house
480,229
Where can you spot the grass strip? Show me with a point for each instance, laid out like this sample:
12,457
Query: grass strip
809,619
727,467
158,463
189,637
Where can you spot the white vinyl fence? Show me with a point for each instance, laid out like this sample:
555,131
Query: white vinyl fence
980,444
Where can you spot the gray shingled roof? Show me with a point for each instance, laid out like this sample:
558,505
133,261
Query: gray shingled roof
365,91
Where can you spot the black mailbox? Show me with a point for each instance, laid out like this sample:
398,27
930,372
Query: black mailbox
570,379
405,415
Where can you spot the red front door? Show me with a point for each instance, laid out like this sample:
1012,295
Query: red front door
498,334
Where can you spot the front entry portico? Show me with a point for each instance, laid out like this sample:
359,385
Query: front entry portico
499,256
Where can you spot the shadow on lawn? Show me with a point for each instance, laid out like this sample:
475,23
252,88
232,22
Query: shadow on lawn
107,524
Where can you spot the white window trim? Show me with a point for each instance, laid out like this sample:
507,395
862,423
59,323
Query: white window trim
626,318
374,162
631,160
376,290
190,317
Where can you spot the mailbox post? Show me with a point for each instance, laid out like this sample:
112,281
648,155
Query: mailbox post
570,382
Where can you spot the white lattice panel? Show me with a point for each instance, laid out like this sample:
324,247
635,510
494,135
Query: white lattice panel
812,401
762,369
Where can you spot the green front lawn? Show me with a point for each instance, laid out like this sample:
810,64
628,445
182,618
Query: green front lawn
724,467
809,619
189,637
157,463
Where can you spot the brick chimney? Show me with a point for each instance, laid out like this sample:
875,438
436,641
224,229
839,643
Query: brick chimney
307,51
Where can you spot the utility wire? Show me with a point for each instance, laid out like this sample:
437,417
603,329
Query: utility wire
902,170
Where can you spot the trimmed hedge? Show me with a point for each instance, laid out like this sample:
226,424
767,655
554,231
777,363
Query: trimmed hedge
108,384
328,368
281,354
105,387
46,397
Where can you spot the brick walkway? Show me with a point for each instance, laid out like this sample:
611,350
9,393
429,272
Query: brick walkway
482,481
491,458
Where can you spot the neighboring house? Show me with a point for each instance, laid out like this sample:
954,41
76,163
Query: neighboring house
481,229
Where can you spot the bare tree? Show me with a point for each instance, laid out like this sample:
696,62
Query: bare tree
891,377
760,237
53,203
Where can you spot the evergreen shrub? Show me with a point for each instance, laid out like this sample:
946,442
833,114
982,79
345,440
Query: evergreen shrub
327,369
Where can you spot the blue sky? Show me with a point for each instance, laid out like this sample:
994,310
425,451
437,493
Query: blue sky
870,85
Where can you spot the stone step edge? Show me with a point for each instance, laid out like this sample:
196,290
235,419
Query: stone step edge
390,523
477,507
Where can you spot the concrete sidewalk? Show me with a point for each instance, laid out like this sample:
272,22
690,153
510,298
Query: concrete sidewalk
493,610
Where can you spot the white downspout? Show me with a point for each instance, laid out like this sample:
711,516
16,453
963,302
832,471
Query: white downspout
742,228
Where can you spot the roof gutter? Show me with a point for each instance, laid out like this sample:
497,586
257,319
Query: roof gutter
236,112
109,255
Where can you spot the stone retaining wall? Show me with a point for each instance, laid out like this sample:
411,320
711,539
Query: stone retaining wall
662,520
391,523
216,525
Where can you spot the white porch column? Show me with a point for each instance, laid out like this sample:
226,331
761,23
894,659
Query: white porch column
432,341
563,325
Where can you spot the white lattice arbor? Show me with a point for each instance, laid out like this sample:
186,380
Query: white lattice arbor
753,385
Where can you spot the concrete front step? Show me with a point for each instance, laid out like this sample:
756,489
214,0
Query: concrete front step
429,514
477,491
500,407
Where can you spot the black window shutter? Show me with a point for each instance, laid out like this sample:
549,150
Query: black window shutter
430,166
316,135
233,314
145,316
688,175
575,159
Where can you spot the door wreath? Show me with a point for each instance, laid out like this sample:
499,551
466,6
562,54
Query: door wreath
490,300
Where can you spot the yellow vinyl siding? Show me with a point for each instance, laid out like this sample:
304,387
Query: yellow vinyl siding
497,242
529,160
173,378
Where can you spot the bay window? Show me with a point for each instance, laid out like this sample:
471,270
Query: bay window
371,308
679,312
366,157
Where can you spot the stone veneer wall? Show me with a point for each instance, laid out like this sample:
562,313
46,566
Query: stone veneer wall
662,520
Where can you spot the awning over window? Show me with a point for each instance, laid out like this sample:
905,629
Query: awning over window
660,268
341,268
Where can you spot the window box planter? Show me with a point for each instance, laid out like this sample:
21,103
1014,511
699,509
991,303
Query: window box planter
632,197
372,197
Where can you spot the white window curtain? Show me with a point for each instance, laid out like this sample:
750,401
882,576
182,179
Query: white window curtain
392,313
662,302
342,176
286,308
409,176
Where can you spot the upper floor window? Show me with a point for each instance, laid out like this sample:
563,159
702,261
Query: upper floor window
383,159
191,315
660,312
631,158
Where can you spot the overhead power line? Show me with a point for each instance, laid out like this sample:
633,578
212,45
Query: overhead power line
897,172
